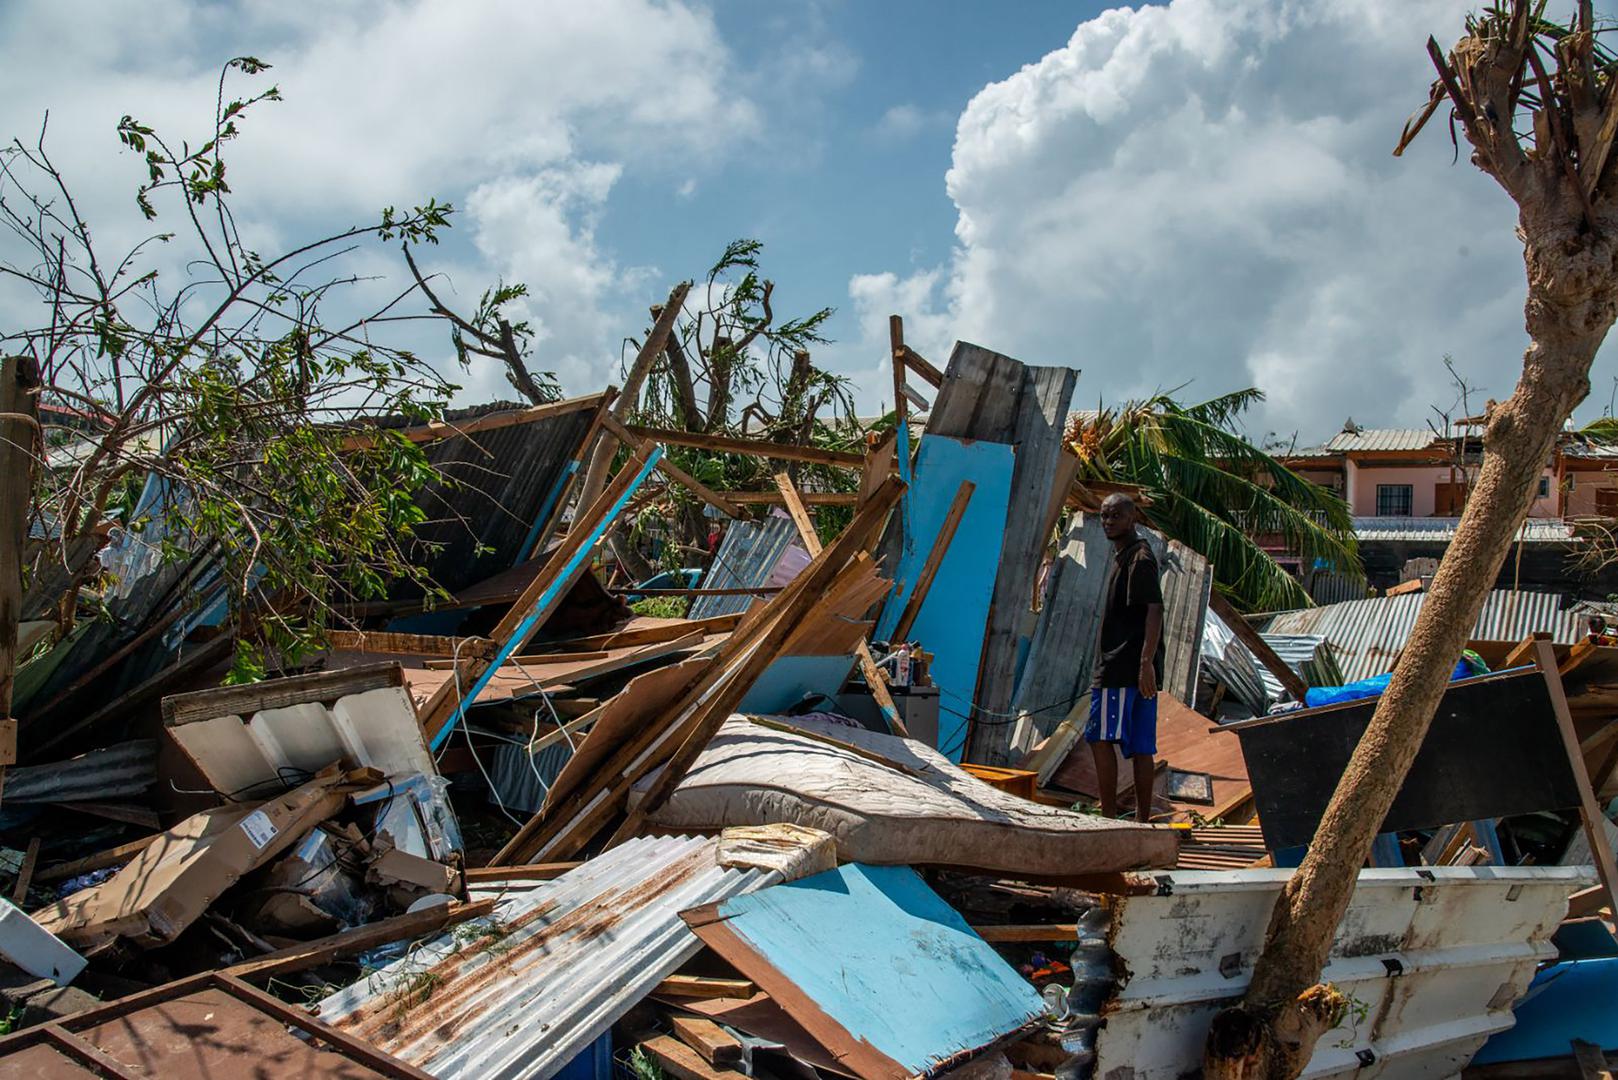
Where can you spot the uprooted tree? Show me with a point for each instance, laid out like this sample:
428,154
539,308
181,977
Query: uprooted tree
197,397
1538,102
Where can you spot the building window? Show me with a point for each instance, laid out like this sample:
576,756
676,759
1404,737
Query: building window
1393,500
1544,487
1607,502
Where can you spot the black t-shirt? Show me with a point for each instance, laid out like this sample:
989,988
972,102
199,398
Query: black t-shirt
1131,587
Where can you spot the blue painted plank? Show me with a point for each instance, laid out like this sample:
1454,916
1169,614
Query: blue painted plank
789,679
952,619
887,959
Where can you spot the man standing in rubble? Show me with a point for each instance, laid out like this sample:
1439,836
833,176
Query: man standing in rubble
1129,656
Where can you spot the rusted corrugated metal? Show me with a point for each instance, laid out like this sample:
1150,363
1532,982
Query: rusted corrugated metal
519,994
747,556
125,769
1367,635
1431,960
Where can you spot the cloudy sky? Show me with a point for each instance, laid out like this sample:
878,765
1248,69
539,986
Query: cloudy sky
1194,195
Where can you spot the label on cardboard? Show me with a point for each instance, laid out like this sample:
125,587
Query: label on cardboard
259,829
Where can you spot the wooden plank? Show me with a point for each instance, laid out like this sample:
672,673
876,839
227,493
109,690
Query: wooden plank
115,856
1525,652
493,875
444,429
646,635
382,641
358,1049
683,1063
1589,811
19,894
538,600
922,366
1290,680
562,827
775,622
244,701
664,319
1587,902
810,498
798,512
874,680
1591,1061
881,462
675,473
312,954
750,447
935,559
1028,932
711,1042
755,590
700,986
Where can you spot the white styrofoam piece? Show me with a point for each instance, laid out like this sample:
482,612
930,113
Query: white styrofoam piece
35,949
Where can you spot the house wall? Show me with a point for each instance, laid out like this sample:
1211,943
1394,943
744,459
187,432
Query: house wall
1582,487
1423,479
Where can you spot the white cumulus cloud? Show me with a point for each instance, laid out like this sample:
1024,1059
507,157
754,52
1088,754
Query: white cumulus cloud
1204,193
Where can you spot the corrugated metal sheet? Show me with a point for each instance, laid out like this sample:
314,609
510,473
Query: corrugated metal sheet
1431,959
1310,655
747,556
1233,664
521,994
128,768
520,786
1380,440
1442,529
501,479
1368,634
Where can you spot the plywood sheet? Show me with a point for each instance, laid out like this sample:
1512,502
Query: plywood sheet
955,612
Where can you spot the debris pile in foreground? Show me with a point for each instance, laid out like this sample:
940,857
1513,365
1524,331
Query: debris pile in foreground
838,820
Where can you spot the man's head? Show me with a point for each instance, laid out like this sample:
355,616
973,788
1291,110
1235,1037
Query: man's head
1118,516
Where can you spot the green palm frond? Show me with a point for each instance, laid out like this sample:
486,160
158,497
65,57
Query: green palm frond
1214,491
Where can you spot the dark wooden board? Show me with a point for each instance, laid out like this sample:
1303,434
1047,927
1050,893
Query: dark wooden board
1493,750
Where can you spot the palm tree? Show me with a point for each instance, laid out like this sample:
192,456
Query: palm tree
1217,493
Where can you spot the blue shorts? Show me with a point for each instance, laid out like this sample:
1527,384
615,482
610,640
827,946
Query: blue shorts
1120,714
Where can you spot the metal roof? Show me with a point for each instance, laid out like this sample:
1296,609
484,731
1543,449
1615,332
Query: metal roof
1380,439
127,768
522,992
747,556
1442,529
1368,634
1433,959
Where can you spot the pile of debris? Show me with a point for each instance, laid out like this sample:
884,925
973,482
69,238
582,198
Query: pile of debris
836,821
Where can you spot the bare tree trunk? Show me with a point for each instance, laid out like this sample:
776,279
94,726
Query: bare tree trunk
1572,301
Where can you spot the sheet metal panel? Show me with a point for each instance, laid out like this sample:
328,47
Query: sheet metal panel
499,483
1442,529
955,612
876,966
125,769
1380,440
1057,672
519,994
1432,961
747,556
1368,634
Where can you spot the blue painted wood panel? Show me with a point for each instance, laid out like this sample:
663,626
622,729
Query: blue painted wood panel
955,612
789,679
887,959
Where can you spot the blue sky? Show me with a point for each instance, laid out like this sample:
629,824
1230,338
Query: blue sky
1193,195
